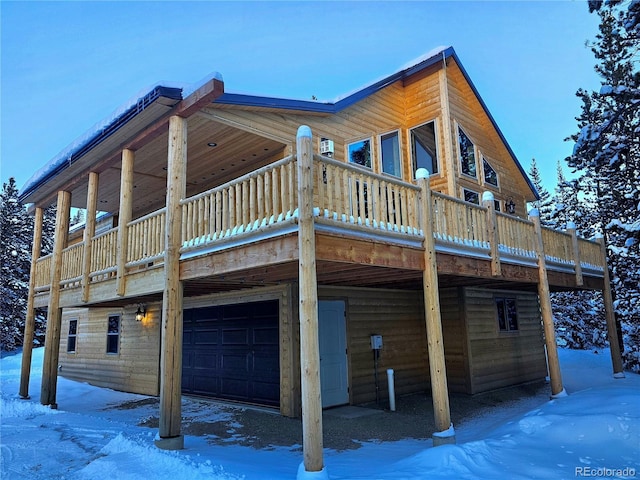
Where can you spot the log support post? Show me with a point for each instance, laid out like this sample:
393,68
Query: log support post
313,465
445,432
557,390
171,342
488,202
124,217
30,320
54,312
575,249
89,233
610,315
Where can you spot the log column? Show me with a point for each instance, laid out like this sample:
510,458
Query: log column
89,233
571,230
557,390
30,320
124,217
488,202
439,391
171,349
308,307
609,312
54,312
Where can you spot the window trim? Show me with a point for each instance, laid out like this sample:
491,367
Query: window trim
508,329
348,155
73,336
475,153
484,177
117,334
400,160
410,147
464,190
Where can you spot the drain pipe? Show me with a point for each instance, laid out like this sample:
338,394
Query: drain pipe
392,390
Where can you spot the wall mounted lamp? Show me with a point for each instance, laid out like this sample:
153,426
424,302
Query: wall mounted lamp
141,313
511,206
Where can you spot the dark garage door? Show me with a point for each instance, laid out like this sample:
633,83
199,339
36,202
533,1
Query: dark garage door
231,352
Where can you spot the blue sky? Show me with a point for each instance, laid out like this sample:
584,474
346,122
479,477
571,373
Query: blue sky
67,65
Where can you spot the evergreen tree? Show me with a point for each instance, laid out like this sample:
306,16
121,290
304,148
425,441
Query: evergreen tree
545,203
566,207
15,262
606,157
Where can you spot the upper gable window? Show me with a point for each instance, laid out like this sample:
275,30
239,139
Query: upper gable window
490,175
360,153
424,153
467,154
390,154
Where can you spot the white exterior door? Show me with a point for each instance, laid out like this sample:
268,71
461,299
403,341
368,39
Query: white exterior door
333,353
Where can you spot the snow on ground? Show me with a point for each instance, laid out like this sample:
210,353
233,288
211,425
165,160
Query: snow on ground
595,431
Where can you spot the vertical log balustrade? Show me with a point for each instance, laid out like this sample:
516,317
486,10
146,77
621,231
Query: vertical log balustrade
30,320
124,217
492,233
54,312
557,390
609,312
171,331
439,391
309,346
89,233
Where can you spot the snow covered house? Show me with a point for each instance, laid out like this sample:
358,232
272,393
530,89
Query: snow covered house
288,252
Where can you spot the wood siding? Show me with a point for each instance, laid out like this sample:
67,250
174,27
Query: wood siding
456,341
499,359
399,317
133,369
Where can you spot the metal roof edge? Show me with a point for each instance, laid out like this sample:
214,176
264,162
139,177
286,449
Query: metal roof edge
246,100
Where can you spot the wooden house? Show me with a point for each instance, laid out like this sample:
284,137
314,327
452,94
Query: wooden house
287,253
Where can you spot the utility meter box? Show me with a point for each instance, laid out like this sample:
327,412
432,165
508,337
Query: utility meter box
376,342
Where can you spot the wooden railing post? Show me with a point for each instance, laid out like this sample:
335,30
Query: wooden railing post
30,320
610,315
439,390
571,229
124,217
309,346
488,202
557,390
54,312
171,340
89,233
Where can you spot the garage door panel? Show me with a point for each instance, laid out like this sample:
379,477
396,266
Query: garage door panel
265,336
235,336
207,336
206,361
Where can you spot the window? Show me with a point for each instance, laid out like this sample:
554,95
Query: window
360,153
471,196
467,154
496,205
424,153
490,175
113,333
507,314
71,338
390,154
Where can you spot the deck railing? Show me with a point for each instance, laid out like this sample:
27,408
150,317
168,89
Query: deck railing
345,196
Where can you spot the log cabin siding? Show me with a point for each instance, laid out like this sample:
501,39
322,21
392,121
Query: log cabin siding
399,317
498,359
135,368
456,342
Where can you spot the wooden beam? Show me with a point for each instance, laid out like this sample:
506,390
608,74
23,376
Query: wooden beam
557,389
488,202
54,312
610,315
308,302
29,324
450,159
435,343
124,217
171,348
89,233
202,97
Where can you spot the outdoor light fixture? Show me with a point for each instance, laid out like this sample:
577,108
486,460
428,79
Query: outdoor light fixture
141,313
212,144
511,206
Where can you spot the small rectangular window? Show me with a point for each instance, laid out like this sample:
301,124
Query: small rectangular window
490,175
471,196
390,154
496,205
424,153
113,334
467,154
507,312
360,153
71,338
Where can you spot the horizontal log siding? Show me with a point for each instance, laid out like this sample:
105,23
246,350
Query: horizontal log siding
134,369
454,332
399,318
498,359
